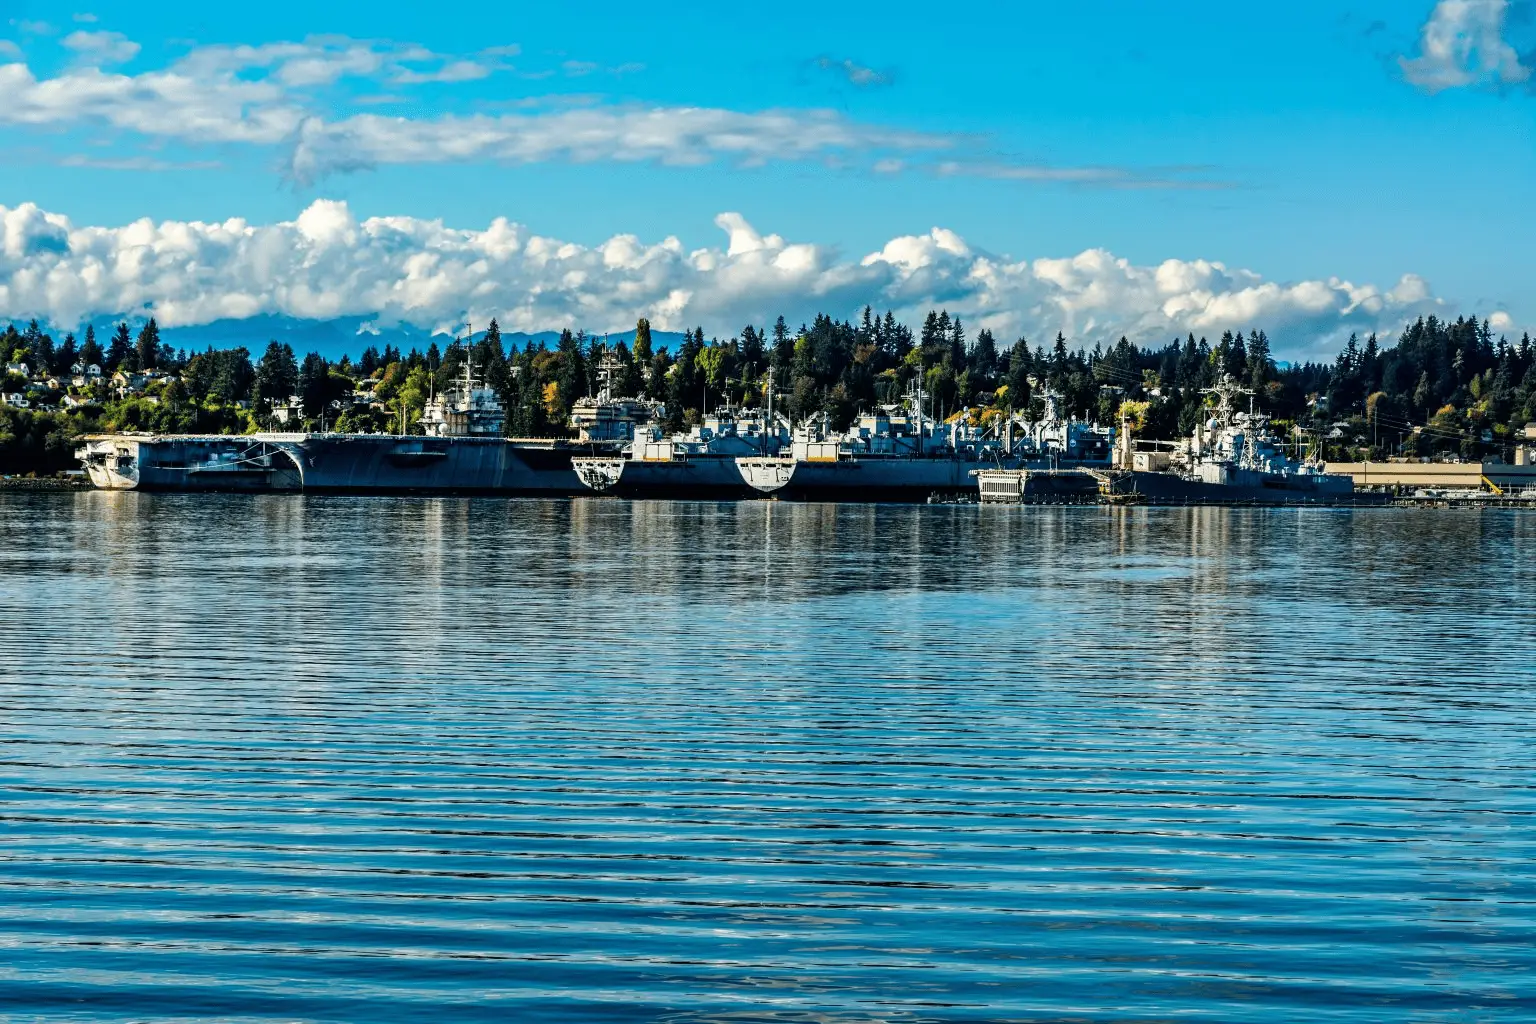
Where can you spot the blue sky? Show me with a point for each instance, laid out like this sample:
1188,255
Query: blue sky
1307,143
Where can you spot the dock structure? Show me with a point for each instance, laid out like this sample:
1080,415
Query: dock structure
1487,477
1040,486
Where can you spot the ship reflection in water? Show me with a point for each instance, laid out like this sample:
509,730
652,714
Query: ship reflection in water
397,759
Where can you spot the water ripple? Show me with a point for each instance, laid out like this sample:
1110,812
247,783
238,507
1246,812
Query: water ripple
284,759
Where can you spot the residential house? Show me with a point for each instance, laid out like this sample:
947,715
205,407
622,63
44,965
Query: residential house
16,400
127,383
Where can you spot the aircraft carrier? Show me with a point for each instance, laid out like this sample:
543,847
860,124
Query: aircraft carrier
460,452
331,463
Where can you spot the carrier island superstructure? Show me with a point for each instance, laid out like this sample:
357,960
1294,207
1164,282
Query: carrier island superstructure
461,451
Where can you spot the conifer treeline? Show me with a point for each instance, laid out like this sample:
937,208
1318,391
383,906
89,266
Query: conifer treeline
1463,389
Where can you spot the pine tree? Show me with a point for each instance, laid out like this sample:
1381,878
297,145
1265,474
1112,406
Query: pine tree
277,374
1260,366
120,354
1019,366
148,345
984,359
90,350
314,384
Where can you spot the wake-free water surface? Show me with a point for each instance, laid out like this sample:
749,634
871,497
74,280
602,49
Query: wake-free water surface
288,759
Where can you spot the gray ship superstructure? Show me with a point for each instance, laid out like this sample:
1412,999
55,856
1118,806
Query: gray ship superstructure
1233,457
894,455
460,452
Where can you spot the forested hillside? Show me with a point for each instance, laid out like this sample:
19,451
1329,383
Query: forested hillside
1440,388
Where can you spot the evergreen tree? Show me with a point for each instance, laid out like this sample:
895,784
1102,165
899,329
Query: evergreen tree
90,350
120,351
66,355
277,374
148,345
984,359
1019,366
314,385
643,351
1260,367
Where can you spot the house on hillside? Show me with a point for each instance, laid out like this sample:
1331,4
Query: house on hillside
127,383
291,411
16,400
19,369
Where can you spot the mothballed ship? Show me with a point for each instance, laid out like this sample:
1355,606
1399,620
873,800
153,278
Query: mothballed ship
701,463
904,456
1231,458
460,452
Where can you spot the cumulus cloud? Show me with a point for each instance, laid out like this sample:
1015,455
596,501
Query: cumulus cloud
328,263
1463,44
101,48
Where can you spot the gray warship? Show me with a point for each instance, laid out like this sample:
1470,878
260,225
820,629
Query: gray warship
903,456
701,463
1231,458
460,452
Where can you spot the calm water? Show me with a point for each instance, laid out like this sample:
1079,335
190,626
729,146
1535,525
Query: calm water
278,759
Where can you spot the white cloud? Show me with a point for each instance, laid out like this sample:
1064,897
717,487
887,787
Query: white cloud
162,104
453,71
84,19
327,263
9,50
1462,45
317,61
137,163
282,95
668,135
101,48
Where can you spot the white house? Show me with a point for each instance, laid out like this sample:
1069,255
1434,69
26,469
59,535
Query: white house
16,400
20,369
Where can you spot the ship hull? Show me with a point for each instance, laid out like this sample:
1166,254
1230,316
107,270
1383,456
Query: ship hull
331,464
862,479
701,478
1247,489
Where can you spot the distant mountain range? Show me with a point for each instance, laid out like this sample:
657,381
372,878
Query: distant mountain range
331,338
